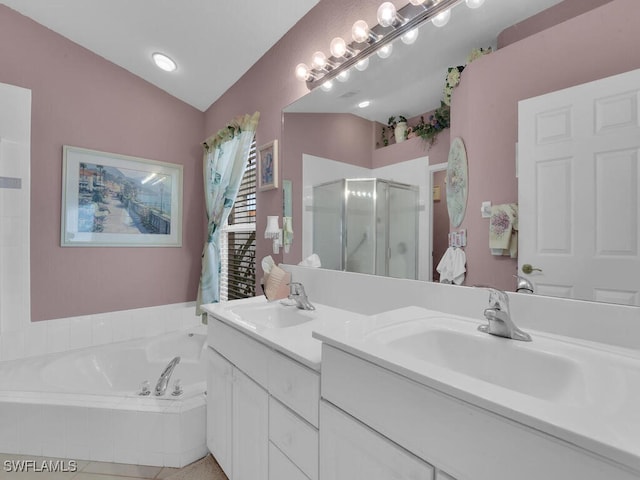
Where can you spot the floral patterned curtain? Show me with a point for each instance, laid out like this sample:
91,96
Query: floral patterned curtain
225,159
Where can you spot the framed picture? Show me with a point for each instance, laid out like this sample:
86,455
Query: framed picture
268,166
111,200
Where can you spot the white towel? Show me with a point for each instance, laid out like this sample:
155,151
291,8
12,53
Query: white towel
287,233
452,266
312,260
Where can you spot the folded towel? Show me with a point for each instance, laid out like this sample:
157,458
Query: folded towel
503,227
452,266
287,233
312,260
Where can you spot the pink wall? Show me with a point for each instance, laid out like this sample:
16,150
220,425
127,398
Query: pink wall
594,45
270,85
81,99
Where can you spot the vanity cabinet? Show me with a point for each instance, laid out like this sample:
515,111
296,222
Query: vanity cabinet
237,420
459,438
262,409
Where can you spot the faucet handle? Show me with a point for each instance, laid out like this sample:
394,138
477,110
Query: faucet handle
296,288
498,299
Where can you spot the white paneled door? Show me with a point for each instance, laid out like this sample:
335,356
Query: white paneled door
578,181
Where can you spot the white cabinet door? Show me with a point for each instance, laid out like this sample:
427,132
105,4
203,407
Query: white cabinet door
351,451
250,429
219,409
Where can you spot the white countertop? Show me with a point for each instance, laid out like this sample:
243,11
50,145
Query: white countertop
296,341
606,422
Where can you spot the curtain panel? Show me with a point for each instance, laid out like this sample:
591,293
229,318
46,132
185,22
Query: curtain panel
225,159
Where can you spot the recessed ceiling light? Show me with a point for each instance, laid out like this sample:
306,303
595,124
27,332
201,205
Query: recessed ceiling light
364,104
163,62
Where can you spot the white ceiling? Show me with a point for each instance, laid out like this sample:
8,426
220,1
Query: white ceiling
214,42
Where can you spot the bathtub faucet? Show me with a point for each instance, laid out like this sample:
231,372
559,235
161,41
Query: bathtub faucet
163,381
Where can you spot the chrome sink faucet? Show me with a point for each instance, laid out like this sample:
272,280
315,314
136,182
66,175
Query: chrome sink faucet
163,381
499,318
297,294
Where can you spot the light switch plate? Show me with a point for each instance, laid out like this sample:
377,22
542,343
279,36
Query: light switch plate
485,209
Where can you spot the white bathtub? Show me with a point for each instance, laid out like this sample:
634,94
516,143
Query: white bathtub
84,404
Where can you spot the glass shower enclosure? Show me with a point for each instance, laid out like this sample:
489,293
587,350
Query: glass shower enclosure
367,225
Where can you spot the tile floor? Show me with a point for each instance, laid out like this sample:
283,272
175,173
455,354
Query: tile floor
35,468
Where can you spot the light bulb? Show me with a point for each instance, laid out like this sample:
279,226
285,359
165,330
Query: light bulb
318,60
327,86
338,47
364,104
362,64
474,3
410,37
442,18
343,76
386,14
303,72
360,31
385,52
163,62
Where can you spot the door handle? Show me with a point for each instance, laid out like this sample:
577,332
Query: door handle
528,268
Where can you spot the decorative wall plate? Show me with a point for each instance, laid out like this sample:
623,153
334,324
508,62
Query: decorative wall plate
457,182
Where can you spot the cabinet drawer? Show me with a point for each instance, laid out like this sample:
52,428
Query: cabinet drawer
295,437
296,386
245,353
280,467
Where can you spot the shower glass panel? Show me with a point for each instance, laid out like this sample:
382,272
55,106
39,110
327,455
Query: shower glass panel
360,238
328,205
367,226
403,232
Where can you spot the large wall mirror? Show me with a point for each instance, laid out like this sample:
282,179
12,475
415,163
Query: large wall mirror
328,129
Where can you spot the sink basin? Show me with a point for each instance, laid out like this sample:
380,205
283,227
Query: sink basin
456,345
271,315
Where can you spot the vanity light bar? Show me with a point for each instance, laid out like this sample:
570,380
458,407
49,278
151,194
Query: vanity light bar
412,15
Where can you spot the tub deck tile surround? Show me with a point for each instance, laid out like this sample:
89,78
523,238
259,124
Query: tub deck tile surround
50,336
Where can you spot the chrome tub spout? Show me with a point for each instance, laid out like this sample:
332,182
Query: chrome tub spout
165,376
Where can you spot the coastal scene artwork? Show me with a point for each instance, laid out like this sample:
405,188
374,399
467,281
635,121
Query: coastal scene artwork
116,200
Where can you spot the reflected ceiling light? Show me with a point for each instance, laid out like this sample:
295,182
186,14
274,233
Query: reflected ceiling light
364,104
388,15
417,2
410,37
327,86
343,76
386,51
362,64
163,62
360,32
474,3
340,49
442,18
148,178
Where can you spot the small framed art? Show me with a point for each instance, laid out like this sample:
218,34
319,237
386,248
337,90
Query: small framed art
268,166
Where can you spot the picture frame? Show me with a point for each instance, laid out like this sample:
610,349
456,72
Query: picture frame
112,200
268,166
